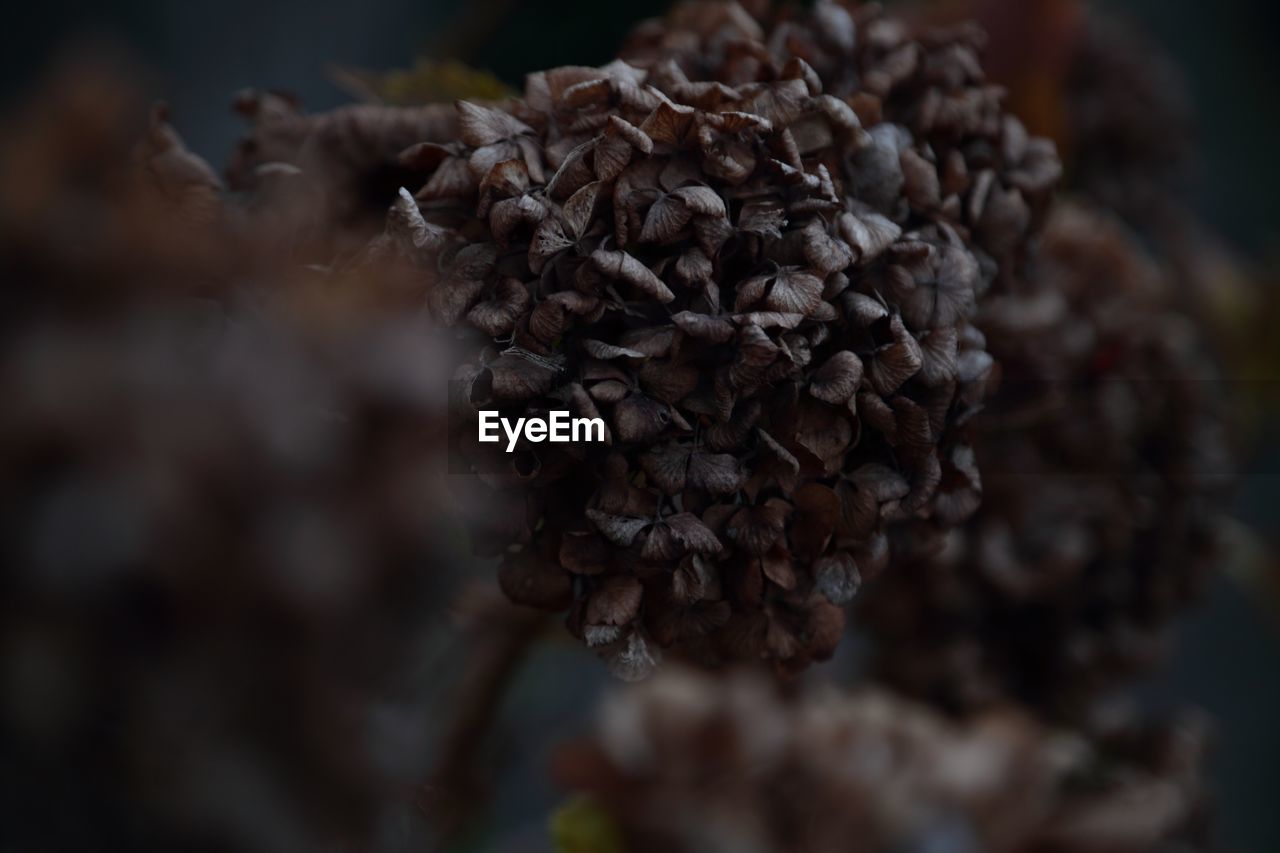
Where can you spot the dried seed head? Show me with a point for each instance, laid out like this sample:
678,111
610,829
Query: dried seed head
1103,461
755,249
689,756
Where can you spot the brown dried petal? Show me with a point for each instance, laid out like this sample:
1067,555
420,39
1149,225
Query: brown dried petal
778,568
406,226
619,529
631,658
668,123
693,534
653,341
822,431
816,515
894,363
938,349
609,391
667,467
693,267
765,218
695,579
704,327
640,418
701,200
575,173
624,267
513,215
549,240
634,136
920,180
837,380
580,209
716,473
756,529
605,352
517,378
667,381
497,315
768,320
664,220
479,126
868,233
823,252
836,576
452,297
781,102
794,292
616,601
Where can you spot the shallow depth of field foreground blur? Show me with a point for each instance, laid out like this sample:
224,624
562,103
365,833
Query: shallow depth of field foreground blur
238,610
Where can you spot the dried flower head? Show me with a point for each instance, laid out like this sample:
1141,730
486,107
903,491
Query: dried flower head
755,252
1104,461
691,762
1093,81
221,496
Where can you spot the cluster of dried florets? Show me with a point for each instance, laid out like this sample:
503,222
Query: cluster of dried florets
1084,76
1104,458
756,256
691,762
331,174
220,488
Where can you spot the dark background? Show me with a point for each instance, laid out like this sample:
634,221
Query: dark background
199,54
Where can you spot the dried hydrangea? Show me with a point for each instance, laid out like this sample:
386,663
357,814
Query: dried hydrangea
1104,462
331,174
221,496
691,762
755,253
1092,80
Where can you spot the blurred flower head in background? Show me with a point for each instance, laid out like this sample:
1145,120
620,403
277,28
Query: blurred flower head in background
221,487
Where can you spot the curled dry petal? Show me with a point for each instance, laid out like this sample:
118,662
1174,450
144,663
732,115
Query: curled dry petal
616,601
705,327
897,361
837,380
640,418
837,577
513,377
497,315
481,126
624,267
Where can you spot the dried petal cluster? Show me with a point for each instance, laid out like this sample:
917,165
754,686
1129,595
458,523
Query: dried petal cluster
221,501
755,253
329,174
1087,77
1104,460
689,762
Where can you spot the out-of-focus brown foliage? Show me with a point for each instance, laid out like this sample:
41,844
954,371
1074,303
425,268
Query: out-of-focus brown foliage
219,485
695,762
